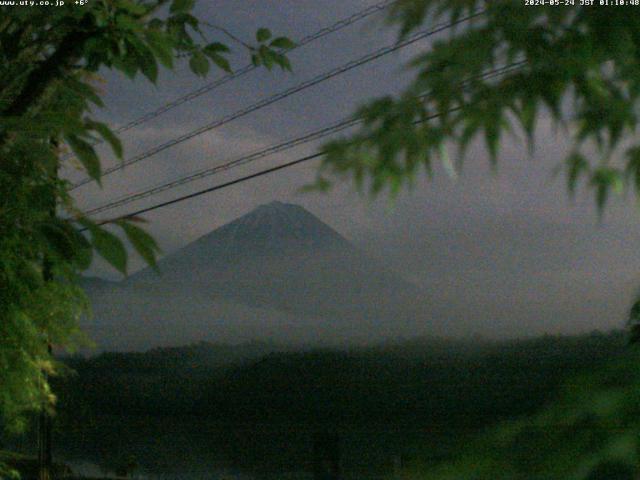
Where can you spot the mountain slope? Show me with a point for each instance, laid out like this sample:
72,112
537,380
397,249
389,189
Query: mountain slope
277,272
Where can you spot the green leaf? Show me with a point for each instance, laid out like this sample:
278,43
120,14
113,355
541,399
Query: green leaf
85,90
576,165
605,179
128,64
134,8
199,64
320,184
108,245
161,47
267,57
283,61
107,134
213,52
125,22
181,6
221,62
87,156
634,313
263,34
67,242
634,322
633,167
84,255
216,48
449,168
282,42
148,63
634,333
143,243
527,116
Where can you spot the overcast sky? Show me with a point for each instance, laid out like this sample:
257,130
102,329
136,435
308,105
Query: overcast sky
508,246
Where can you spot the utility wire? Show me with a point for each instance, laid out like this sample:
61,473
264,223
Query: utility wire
224,185
421,35
490,74
337,127
249,158
339,25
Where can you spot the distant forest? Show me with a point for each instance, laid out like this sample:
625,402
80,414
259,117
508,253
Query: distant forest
257,407
433,382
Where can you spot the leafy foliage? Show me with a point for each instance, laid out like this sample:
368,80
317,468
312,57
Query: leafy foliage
590,432
580,64
49,62
271,53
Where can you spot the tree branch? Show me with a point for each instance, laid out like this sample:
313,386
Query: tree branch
40,78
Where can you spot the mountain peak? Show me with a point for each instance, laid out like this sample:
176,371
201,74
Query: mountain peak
277,206
275,229
277,225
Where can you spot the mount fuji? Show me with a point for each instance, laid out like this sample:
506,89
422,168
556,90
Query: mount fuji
277,273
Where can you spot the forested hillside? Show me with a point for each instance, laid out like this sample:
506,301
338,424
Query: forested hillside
431,381
256,408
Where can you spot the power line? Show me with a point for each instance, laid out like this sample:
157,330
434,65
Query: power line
339,25
224,185
421,35
337,127
323,32
245,159
487,75
215,187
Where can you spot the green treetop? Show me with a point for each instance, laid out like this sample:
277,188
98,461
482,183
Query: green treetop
49,61
578,63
